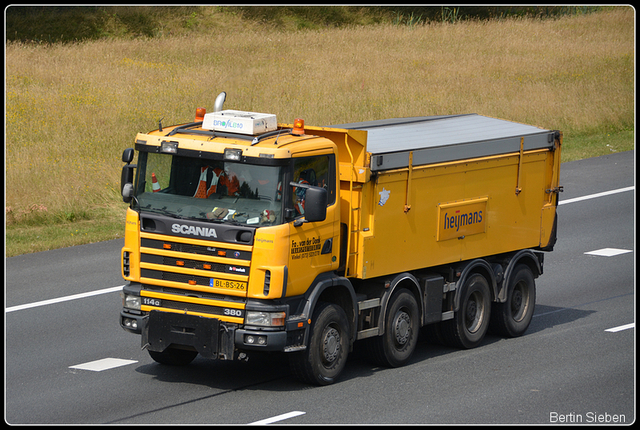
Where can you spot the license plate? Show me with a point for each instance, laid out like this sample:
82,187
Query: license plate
149,301
230,285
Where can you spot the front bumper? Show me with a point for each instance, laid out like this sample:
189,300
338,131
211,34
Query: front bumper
211,337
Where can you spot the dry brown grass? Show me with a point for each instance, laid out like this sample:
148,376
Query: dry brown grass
72,109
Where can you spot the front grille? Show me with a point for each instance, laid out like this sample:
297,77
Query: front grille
204,266
211,251
190,293
227,306
195,264
195,307
193,271
175,277
187,263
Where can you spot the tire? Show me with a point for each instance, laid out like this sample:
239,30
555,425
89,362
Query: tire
470,323
326,355
512,318
173,356
401,328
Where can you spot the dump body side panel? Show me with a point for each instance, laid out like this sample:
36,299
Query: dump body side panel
438,214
436,190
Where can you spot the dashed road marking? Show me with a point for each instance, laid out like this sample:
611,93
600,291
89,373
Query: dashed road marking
593,196
64,299
103,364
608,252
278,418
620,328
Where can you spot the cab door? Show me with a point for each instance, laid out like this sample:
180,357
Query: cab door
313,246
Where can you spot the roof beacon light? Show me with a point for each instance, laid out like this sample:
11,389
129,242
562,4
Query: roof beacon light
200,113
298,127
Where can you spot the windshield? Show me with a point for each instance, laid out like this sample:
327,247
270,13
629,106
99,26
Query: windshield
212,190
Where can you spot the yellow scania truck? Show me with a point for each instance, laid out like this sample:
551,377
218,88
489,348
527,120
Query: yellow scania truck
244,234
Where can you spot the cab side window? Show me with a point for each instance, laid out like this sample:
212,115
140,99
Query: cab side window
317,171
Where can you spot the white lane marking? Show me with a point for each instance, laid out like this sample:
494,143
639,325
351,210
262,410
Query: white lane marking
103,364
620,328
593,196
63,299
278,418
608,252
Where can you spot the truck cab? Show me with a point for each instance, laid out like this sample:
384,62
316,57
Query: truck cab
224,234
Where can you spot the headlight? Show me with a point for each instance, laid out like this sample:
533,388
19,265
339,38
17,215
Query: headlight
131,302
266,319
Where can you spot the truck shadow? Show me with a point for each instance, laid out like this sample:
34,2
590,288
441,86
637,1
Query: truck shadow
546,317
270,371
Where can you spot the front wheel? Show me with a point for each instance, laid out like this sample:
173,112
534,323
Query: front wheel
326,355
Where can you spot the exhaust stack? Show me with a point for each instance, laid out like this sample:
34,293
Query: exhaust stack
217,107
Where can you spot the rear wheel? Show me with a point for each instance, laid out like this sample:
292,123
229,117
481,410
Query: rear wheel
326,355
512,318
401,326
174,356
471,321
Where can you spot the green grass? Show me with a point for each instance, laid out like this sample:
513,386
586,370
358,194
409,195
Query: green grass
82,81
595,145
44,235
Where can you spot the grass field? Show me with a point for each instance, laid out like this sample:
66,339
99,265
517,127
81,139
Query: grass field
72,108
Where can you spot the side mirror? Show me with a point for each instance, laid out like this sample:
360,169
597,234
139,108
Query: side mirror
127,192
126,178
127,155
315,207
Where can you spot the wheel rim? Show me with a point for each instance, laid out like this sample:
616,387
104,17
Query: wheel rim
330,345
402,327
474,312
519,301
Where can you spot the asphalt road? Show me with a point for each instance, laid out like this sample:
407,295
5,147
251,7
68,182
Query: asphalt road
567,368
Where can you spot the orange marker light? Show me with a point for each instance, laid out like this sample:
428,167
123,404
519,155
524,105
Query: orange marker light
222,253
200,114
207,266
180,263
166,246
298,127
192,282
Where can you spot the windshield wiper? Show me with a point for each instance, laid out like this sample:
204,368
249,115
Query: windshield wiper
164,211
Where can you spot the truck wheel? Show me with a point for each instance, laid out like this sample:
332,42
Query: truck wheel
471,321
512,318
326,355
173,356
395,347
